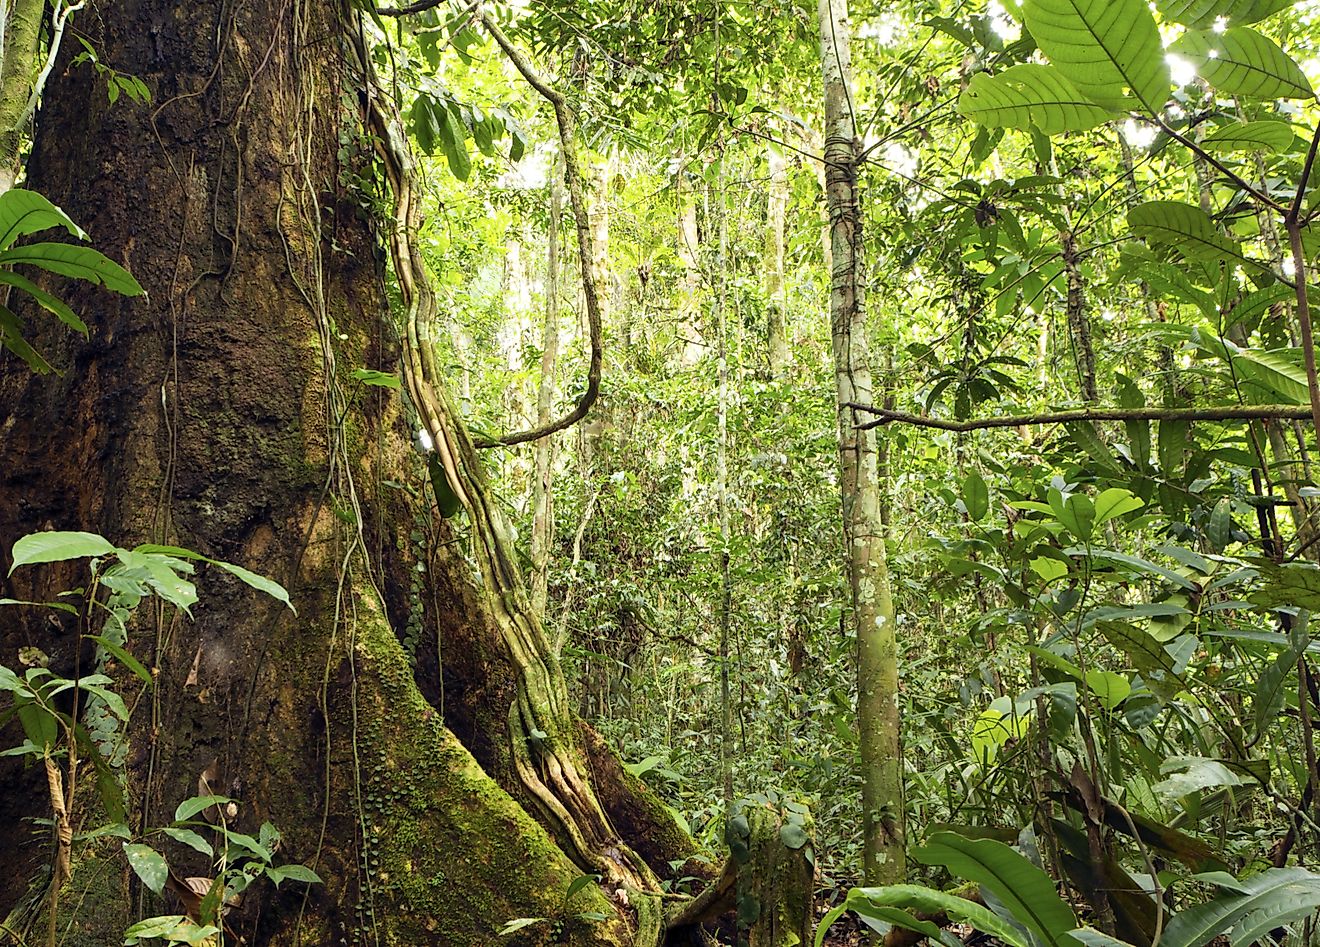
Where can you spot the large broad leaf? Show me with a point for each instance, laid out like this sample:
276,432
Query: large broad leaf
1024,889
1105,47
23,212
1242,62
1252,136
258,582
1204,13
1266,899
1186,228
1030,96
1282,376
57,547
893,903
78,262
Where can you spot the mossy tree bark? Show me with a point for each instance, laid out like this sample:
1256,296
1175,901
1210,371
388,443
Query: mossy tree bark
218,413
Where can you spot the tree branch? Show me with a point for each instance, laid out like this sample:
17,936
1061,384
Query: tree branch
573,176
419,7
1249,412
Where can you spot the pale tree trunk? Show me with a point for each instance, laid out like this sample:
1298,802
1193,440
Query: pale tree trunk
691,344
775,310
868,572
543,522
722,493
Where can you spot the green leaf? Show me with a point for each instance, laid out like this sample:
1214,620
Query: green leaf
1088,439
1186,228
1277,371
1189,774
1025,890
148,864
880,903
976,496
1267,895
1273,137
1202,14
578,883
58,547
11,337
1109,687
293,873
369,376
44,299
79,262
1115,502
1027,96
1240,61
153,927
793,835
1106,47
121,654
258,582
195,804
518,923
190,838
23,212
453,139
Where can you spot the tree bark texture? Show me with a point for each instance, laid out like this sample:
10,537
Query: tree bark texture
867,568
218,413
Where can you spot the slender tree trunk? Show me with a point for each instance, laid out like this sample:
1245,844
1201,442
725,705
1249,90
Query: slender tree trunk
691,343
543,522
868,573
775,315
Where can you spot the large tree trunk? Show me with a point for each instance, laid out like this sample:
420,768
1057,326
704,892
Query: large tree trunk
218,413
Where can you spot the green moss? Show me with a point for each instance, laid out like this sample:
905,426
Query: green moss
450,857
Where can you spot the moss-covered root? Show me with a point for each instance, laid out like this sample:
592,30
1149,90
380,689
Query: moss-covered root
448,857
767,882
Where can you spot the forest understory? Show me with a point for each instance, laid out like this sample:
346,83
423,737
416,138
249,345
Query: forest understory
659,473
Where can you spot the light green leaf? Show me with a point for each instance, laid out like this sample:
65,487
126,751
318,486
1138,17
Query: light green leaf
79,262
1277,371
518,923
58,547
148,864
1048,569
258,582
121,654
23,212
1109,687
1202,14
1192,774
1030,96
1240,61
1115,502
1273,137
369,376
1105,47
195,804
1269,893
